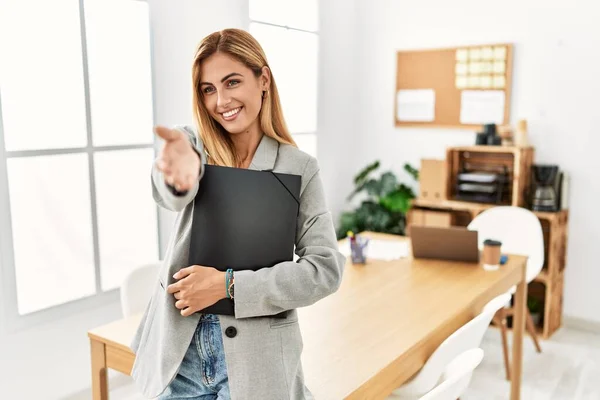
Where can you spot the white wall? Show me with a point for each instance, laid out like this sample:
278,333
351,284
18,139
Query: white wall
555,87
337,133
51,360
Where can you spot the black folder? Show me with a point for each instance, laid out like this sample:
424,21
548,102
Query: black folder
244,220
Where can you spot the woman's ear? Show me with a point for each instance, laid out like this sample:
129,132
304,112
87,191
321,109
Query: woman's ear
265,78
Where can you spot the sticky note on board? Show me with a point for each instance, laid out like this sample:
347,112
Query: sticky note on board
461,82
462,55
461,68
499,67
486,67
487,53
475,54
500,53
474,67
473,82
499,82
485,82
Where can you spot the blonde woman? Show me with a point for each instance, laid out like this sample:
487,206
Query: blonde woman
181,353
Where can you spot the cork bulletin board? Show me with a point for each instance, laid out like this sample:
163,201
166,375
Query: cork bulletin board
461,87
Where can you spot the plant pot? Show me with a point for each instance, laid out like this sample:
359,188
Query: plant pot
537,318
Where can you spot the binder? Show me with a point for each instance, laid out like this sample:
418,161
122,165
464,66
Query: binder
244,220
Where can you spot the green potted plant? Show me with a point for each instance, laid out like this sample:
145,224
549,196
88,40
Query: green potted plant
535,309
385,206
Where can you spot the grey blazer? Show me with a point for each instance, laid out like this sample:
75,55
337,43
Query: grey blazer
262,354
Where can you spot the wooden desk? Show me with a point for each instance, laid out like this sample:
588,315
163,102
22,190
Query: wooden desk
375,332
110,349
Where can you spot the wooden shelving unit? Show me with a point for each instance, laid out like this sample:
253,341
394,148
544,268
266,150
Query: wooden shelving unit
554,226
548,285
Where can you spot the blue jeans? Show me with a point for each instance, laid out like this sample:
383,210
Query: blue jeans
203,373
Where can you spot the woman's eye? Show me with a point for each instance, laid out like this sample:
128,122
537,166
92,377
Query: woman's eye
207,89
232,82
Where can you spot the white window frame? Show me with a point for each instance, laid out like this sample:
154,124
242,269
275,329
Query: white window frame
8,283
316,33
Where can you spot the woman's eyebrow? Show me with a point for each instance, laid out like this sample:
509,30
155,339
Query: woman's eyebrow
230,75
224,79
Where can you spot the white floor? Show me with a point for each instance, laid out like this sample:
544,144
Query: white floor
567,369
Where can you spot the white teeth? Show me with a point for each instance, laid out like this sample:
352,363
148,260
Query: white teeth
231,113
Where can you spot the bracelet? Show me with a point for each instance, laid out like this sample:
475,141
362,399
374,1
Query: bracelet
231,284
228,282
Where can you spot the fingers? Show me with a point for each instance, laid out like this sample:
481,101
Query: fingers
185,182
183,272
183,305
178,180
186,312
170,179
179,184
163,165
173,288
182,184
175,180
167,134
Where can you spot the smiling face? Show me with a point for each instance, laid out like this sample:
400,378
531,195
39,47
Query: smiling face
231,92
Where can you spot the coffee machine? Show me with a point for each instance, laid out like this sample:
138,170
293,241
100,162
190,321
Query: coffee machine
546,187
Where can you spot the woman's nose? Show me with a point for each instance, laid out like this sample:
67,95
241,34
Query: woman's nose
222,99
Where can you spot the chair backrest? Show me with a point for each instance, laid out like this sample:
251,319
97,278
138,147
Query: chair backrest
518,229
468,336
456,377
137,288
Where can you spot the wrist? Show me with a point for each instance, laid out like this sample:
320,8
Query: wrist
197,164
218,285
198,157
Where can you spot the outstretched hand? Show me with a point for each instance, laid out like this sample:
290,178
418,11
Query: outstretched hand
178,161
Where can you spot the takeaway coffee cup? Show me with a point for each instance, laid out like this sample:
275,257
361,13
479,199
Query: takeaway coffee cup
491,254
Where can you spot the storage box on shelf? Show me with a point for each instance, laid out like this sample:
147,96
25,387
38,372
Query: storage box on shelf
432,179
503,174
516,162
442,219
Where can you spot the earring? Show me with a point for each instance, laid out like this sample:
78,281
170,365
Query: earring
265,93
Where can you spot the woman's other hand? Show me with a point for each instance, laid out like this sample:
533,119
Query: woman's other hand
178,161
197,288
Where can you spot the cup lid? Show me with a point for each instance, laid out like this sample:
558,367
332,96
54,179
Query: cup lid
492,242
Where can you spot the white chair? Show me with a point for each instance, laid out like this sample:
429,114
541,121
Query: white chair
520,232
137,288
457,376
468,336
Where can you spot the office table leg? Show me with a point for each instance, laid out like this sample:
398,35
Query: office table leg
99,382
518,331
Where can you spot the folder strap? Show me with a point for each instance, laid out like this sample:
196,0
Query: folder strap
286,188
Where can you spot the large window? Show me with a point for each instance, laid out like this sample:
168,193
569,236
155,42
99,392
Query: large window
76,145
287,31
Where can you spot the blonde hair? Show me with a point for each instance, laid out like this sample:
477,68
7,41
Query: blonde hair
243,47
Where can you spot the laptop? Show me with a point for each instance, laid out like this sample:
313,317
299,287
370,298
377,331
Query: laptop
453,244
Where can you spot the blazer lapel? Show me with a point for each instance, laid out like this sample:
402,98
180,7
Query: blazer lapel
266,154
